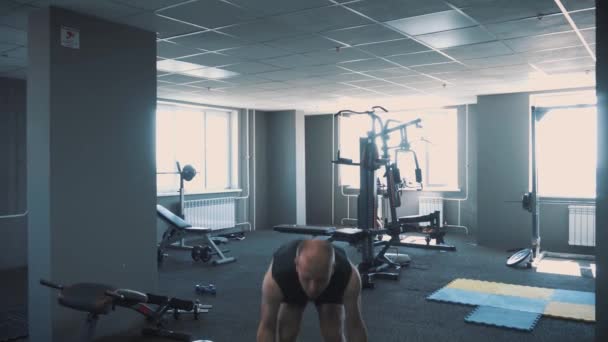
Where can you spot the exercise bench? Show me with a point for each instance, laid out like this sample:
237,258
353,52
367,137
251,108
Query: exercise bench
179,229
99,299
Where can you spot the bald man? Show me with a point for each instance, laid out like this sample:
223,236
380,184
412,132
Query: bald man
317,271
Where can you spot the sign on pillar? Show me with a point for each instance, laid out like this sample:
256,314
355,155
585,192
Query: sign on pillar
70,37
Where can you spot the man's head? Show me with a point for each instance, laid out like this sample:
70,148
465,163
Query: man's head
315,265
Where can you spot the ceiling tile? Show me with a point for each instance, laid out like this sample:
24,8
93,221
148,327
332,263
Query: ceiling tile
385,10
282,75
322,19
246,80
556,54
439,67
395,90
347,77
432,84
572,5
543,42
367,65
208,13
212,59
411,79
506,71
369,83
495,61
465,36
164,27
261,30
210,41
16,17
291,61
433,22
530,26
321,70
494,11
273,7
419,58
393,47
574,69
12,36
363,34
178,79
589,35
100,9
336,56
304,44
179,88
257,51
150,5
210,84
478,50
251,68
390,73
567,64
584,19
172,50
317,82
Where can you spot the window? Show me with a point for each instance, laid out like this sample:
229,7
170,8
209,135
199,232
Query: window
202,137
436,145
566,140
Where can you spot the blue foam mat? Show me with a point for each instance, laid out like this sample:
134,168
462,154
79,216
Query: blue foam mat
516,303
459,296
466,297
504,318
574,297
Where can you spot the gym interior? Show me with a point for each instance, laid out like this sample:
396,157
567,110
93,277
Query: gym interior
156,153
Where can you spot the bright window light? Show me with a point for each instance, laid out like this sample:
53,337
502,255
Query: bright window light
202,137
436,146
566,140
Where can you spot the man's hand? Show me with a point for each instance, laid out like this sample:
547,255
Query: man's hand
271,302
354,325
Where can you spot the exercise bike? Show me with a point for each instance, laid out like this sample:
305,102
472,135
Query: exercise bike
100,299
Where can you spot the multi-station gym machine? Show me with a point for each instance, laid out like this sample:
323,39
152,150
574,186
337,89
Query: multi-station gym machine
369,232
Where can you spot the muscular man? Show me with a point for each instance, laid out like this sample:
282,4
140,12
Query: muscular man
311,270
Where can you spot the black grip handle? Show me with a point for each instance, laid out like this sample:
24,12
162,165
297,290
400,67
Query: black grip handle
156,299
181,304
50,284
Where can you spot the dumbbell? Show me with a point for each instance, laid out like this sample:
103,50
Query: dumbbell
205,289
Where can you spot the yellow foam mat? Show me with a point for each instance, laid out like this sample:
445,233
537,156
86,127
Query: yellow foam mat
502,288
580,312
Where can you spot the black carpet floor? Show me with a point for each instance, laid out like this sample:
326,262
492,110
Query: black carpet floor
393,311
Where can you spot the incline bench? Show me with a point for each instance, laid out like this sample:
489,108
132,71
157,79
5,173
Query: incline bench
179,229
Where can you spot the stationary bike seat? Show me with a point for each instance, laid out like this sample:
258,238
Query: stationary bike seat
89,297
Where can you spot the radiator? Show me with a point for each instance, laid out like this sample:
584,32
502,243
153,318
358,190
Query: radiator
581,225
215,213
430,205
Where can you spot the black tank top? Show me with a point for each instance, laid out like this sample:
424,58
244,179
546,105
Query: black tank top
285,275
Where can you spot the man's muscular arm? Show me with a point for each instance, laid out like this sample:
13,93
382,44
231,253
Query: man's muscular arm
271,302
354,325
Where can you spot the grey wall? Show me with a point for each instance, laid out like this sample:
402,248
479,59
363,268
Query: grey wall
503,128
319,170
281,168
601,327
503,167
91,165
13,173
279,194
261,170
